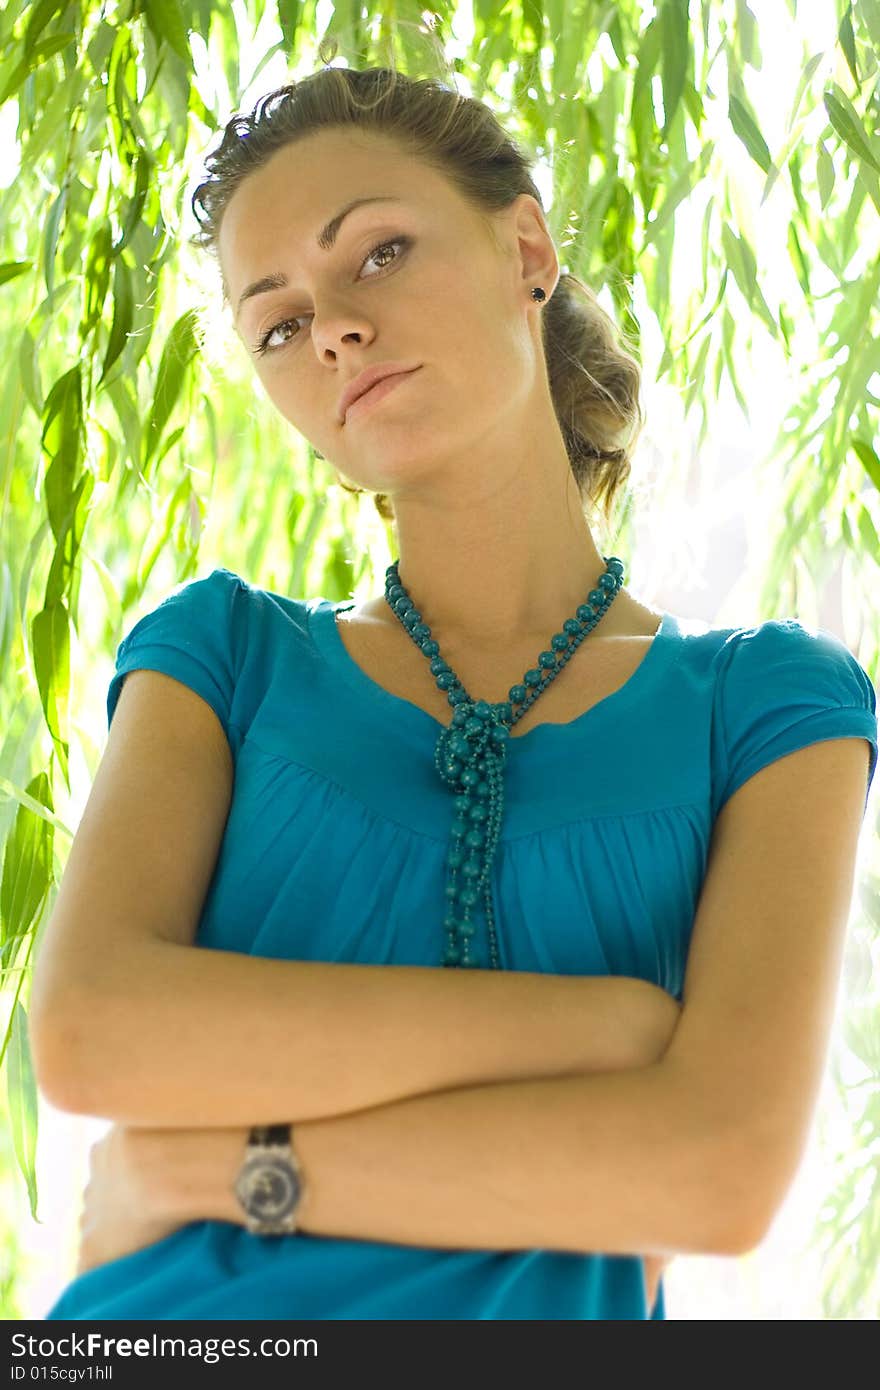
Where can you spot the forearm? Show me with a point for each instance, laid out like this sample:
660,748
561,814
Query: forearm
615,1163
191,1036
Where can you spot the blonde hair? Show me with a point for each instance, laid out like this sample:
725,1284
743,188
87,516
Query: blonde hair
594,381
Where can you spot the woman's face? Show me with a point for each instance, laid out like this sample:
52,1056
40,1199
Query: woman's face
416,281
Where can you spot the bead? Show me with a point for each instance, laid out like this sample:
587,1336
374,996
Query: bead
471,753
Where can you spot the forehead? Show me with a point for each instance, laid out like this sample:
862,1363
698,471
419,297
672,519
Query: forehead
305,183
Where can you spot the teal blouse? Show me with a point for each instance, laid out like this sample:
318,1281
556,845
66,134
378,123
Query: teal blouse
602,853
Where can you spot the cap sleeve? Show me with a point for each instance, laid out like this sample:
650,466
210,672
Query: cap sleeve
782,686
191,636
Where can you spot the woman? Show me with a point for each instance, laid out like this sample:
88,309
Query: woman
385,812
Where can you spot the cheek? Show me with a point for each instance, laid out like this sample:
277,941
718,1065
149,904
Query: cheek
309,406
281,388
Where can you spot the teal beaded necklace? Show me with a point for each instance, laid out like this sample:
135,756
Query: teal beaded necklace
471,753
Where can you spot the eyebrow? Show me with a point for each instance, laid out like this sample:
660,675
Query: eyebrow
325,239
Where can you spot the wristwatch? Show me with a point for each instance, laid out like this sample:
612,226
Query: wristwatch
269,1185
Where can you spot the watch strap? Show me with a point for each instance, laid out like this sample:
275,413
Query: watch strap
270,1134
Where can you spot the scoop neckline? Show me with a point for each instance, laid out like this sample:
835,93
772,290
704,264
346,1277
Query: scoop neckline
326,635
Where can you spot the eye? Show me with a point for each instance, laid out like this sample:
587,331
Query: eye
262,347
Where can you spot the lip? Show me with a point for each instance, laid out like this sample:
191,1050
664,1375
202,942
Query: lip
375,394
367,380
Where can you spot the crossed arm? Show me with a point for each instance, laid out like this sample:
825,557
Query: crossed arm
483,1110
475,1114
608,1162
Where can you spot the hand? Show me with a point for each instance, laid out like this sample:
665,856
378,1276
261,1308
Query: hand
122,1211
654,1267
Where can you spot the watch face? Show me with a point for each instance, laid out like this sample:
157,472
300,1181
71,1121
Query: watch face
268,1189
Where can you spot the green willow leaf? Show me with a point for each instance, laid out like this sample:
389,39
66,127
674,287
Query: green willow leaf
180,349
824,173
846,39
648,53
746,128
145,164
747,35
869,459
676,53
50,239
23,69
741,259
64,445
121,78
42,14
165,18
27,867
847,122
869,10
29,370
123,314
687,180
868,533
97,275
23,1102
711,312
50,641
697,371
644,135
10,270
806,78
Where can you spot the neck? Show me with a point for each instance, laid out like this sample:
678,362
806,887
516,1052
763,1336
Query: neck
495,585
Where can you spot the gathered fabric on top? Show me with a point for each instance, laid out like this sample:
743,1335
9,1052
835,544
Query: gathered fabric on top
335,849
